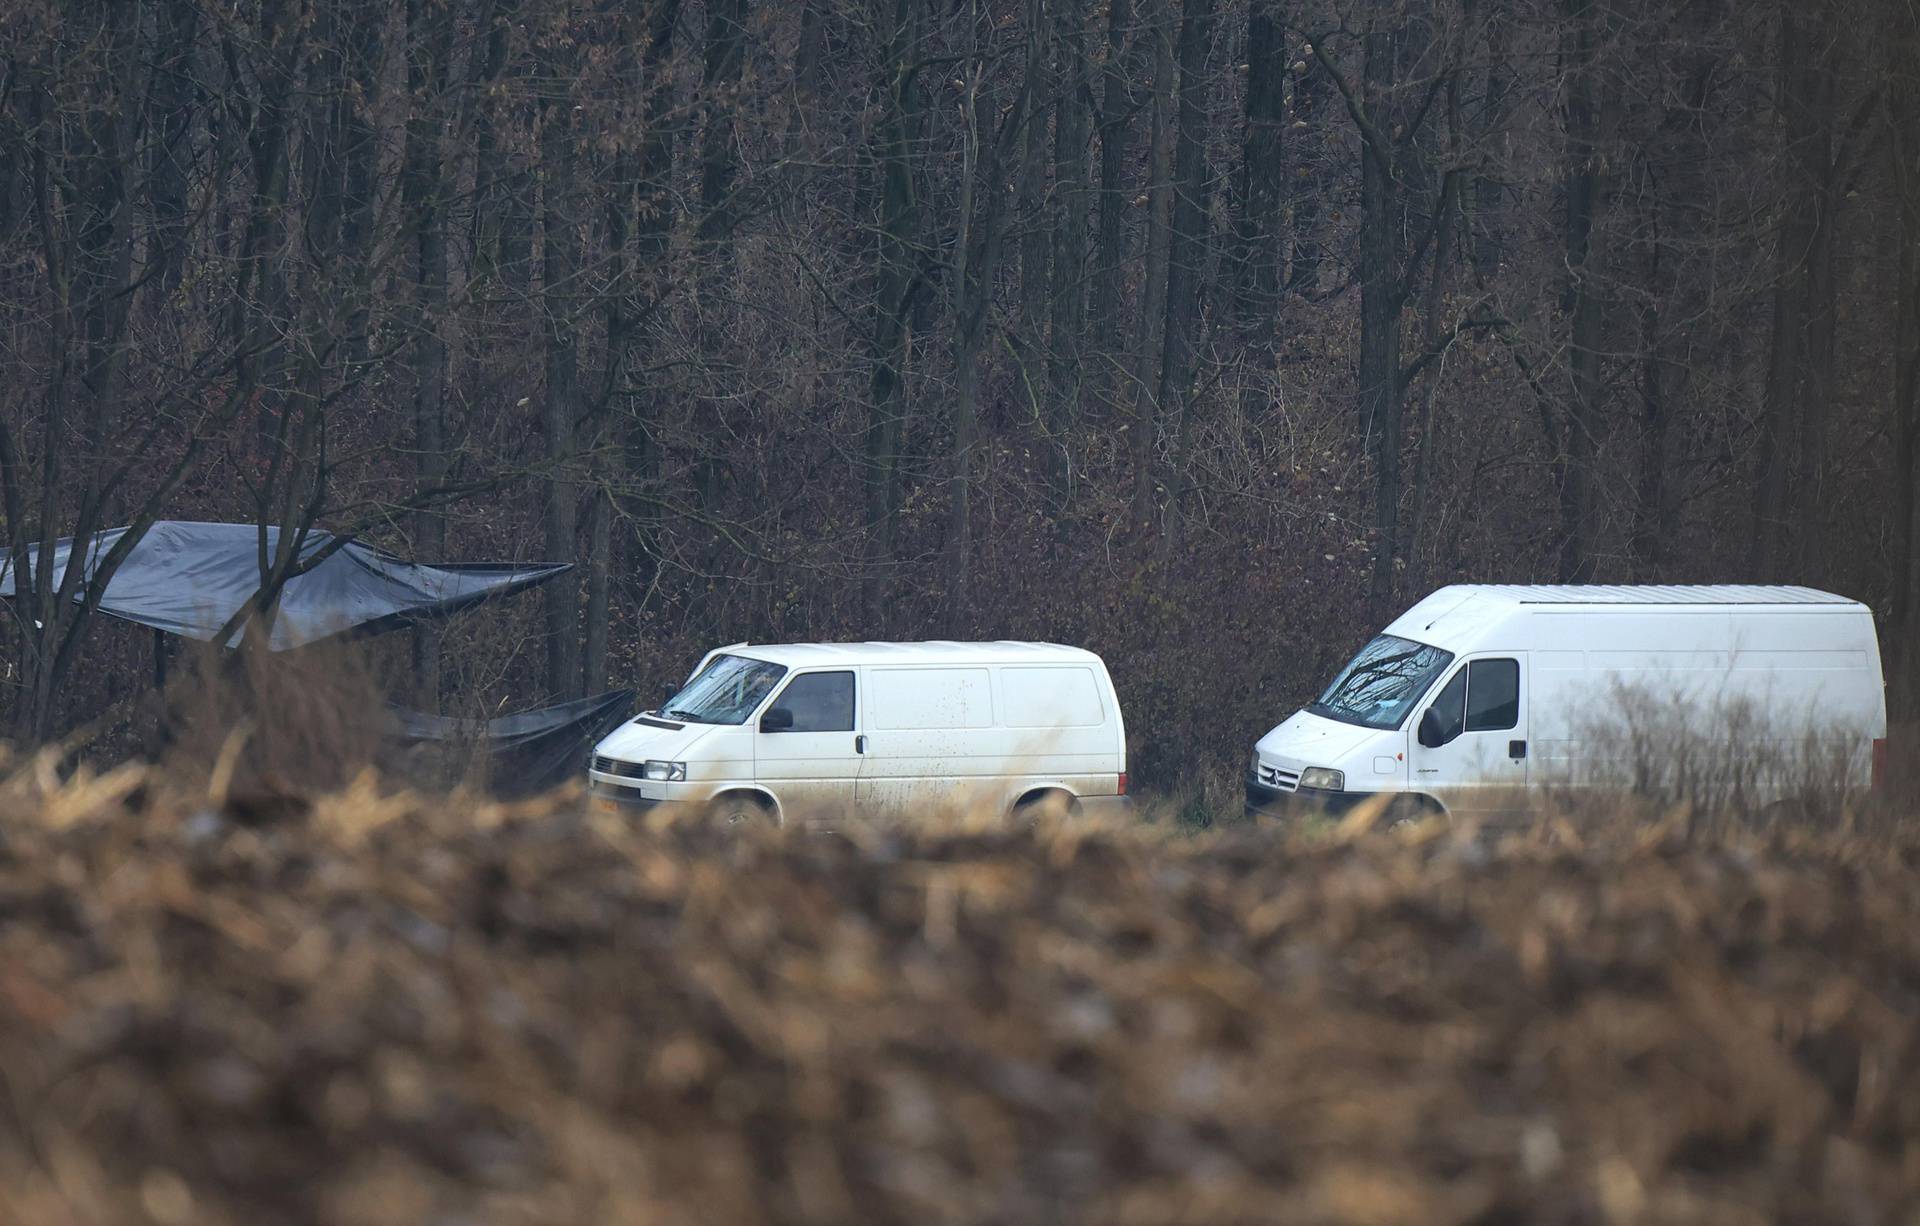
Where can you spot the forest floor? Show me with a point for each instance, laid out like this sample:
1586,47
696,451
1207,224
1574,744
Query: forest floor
373,1008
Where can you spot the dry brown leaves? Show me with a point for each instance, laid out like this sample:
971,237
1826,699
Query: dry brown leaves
372,1009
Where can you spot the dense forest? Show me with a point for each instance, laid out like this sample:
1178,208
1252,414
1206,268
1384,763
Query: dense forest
1204,333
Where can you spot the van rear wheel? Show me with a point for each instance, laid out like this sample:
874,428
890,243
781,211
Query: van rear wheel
1050,805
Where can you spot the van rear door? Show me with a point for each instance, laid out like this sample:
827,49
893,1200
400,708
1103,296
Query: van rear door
1470,747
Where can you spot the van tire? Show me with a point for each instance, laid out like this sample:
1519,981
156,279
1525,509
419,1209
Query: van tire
1046,803
1410,809
741,810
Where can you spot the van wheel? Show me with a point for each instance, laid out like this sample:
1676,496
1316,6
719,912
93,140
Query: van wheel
741,810
1407,811
1786,811
1051,805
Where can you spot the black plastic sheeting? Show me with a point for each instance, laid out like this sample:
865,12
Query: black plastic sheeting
191,578
523,754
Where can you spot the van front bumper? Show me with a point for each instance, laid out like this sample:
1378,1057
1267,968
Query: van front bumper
1264,801
604,796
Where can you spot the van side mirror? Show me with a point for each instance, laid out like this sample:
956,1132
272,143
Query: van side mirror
667,692
779,719
1432,735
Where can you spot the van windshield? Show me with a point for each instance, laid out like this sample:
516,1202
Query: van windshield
1382,683
725,692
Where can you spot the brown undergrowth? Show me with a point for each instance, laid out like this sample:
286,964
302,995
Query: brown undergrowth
375,1008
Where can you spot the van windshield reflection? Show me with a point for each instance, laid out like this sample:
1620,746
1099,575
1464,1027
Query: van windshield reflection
1381,684
726,691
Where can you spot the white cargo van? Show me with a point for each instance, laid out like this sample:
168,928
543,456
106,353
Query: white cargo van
1478,693
806,731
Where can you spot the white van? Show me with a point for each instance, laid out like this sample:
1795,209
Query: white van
1478,693
799,731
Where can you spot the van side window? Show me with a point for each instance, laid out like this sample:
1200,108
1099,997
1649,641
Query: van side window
1493,695
1449,709
820,702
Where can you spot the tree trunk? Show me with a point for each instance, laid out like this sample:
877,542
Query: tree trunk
1308,186
1489,224
170,154
359,103
1774,507
653,221
896,287
1259,187
1381,294
1187,246
812,84
966,347
258,323
1582,299
976,261
429,37
1105,321
1821,317
1070,137
1799,370
1653,511
1035,239
1148,350
490,183
1903,619
1433,339
599,586
720,84
558,291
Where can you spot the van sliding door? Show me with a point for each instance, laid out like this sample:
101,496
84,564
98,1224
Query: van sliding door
928,737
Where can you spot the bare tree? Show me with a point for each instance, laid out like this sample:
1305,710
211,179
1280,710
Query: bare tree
900,280
429,49
978,237
560,289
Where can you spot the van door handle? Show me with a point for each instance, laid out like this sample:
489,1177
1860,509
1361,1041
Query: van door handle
1516,750
860,744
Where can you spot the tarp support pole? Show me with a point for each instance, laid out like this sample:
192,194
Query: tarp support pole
159,659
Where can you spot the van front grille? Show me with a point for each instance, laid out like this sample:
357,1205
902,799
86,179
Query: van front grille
1275,777
613,766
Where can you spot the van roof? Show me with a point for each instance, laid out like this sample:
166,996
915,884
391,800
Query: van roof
1645,594
1460,616
800,655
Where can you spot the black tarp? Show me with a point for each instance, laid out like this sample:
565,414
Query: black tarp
191,578
522,754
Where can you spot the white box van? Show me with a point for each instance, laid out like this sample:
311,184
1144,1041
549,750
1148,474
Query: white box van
1479,692
796,731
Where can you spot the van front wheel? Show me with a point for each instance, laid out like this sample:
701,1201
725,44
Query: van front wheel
1409,810
739,810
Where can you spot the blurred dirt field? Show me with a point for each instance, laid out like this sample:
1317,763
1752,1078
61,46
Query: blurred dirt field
375,1009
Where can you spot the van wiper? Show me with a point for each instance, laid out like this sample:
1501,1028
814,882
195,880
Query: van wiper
677,713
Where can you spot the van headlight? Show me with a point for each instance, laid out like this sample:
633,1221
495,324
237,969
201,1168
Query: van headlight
671,772
1320,779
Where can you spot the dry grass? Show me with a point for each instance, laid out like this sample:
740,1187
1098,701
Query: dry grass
252,722
272,729
373,1008
1725,754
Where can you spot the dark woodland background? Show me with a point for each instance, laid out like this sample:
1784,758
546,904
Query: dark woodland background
1203,333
